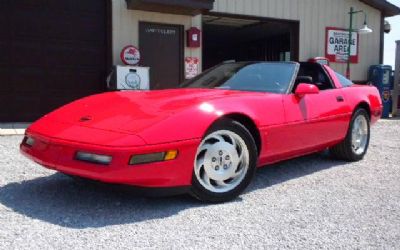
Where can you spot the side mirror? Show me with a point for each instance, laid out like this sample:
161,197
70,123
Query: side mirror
306,89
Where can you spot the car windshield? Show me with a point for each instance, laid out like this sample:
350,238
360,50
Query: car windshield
274,77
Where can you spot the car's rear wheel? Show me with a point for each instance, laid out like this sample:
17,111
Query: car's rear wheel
225,162
355,145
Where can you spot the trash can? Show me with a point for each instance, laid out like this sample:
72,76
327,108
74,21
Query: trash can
381,76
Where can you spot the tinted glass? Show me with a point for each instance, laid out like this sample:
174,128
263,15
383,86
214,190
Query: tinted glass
343,80
262,77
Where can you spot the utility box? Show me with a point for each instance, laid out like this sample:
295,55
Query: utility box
193,38
381,76
129,78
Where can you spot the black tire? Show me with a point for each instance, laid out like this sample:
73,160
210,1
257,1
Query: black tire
200,192
344,150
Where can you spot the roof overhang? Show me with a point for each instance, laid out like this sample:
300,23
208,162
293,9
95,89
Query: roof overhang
181,7
387,8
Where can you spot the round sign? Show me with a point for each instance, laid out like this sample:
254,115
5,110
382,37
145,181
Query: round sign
132,81
130,55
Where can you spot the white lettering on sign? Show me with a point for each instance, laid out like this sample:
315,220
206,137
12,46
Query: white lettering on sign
338,45
161,31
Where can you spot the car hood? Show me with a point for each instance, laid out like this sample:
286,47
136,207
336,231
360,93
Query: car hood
132,111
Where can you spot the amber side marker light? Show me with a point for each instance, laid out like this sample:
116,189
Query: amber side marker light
153,157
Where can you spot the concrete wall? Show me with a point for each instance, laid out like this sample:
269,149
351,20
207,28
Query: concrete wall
125,27
314,17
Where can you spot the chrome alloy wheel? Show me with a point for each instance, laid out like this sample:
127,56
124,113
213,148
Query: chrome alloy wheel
222,161
359,135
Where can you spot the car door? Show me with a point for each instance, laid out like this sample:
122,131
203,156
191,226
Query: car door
316,120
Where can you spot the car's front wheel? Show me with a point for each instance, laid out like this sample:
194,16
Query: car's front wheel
225,162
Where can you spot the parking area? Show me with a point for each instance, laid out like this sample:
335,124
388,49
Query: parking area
308,203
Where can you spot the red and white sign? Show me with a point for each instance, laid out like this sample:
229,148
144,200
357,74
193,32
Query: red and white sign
338,45
191,67
130,55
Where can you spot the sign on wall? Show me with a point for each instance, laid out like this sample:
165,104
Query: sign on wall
130,55
338,45
191,67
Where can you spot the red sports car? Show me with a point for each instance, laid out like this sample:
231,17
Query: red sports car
209,136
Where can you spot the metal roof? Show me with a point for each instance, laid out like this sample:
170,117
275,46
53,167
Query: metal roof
182,7
388,9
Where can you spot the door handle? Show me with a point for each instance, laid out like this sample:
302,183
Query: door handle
339,98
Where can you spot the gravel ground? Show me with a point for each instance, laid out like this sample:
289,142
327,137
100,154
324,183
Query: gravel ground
309,203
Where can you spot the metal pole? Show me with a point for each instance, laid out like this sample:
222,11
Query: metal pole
349,43
396,85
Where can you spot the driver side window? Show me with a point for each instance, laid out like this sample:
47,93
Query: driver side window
313,73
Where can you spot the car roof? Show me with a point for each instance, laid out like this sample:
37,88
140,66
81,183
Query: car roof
271,62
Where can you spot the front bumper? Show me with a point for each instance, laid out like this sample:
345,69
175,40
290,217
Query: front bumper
59,154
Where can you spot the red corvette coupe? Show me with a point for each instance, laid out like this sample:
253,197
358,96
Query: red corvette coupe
209,136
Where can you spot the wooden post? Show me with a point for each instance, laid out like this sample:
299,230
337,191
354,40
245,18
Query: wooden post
396,87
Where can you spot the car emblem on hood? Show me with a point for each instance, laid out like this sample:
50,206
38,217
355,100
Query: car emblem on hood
85,118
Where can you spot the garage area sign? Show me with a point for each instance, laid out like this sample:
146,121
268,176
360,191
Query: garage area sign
338,45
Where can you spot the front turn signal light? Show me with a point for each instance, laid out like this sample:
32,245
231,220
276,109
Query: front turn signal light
153,157
170,155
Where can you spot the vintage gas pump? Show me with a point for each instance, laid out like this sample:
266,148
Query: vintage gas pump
129,76
381,77
396,83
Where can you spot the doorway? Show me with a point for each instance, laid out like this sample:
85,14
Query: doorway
161,47
247,38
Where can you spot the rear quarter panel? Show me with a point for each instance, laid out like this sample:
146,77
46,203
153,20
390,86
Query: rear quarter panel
358,94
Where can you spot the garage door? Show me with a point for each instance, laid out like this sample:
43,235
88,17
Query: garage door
52,52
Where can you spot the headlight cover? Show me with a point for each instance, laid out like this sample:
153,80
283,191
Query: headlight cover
93,158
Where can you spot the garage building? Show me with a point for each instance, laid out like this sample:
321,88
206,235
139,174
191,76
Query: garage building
53,52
